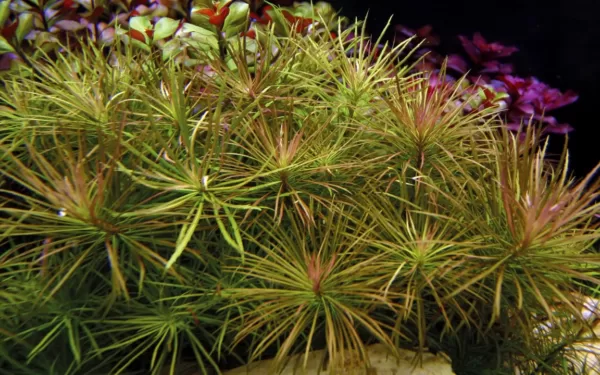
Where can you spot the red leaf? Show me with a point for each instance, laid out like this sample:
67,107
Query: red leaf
137,35
471,50
288,16
219,18
559,128
250,34
264,18
457,63
6,60
553,99
96,13
306,22
495,66
299,23
9,31
135,3
206,12
479,50
425,33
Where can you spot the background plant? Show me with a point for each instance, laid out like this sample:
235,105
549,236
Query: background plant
524,98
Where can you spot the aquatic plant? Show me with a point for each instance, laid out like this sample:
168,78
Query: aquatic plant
265,189
524,98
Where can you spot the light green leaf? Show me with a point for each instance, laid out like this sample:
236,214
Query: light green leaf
140,45
5,46
171,48
235,242
305,9
501,95
200,38
140,23
4,11
73,334
190,28
45,341
25,26
231,64
185,236
280,24
324,9
237,19
251,46
46,41
164,28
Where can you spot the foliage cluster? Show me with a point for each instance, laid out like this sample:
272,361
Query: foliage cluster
285,191
523,98
182,30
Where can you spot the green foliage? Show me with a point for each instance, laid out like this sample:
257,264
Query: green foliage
289,193
185,31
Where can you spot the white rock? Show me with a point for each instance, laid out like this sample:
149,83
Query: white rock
382,363
587,351
583,355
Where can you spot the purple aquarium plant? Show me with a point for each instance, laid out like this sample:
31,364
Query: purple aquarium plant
523,99
480,51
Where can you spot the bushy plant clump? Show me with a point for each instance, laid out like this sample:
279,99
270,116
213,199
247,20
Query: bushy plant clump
252,195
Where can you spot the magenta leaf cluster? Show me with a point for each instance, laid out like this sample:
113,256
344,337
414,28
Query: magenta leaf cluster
525,99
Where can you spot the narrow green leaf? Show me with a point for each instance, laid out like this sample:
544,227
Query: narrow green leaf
73,333
235,243
92,339
5,46
236,230
185,236
69,273
47,340
112,245
160,338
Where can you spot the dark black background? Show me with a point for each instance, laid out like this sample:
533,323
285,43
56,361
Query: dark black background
559,44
